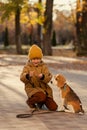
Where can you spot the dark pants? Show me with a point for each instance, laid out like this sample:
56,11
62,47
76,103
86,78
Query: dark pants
41,98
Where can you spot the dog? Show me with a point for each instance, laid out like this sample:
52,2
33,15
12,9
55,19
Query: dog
71,102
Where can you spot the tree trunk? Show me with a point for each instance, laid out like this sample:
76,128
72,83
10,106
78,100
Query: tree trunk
17,31
47,50
82,29
39,27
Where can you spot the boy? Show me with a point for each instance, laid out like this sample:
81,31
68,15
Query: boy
36,76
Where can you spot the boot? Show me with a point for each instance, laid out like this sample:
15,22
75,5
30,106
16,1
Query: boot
40,105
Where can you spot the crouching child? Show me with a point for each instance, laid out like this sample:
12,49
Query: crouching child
35,76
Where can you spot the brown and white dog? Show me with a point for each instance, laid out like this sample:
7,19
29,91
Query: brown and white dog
70,102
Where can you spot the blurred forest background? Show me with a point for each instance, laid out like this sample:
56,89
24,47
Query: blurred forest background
23,23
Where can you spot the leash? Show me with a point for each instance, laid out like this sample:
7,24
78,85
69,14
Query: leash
28,115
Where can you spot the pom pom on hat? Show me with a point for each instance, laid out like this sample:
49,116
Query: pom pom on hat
35,52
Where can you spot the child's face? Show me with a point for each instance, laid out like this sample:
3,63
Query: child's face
36,61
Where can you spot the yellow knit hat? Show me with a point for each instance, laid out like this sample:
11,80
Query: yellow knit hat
35,52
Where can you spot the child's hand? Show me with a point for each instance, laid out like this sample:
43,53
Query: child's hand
40,76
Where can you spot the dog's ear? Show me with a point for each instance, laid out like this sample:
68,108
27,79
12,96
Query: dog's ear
61,80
